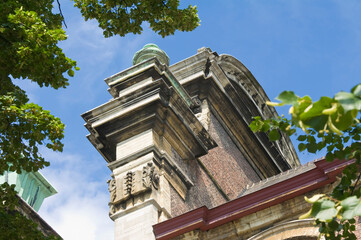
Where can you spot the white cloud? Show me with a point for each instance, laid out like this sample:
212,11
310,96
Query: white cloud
79,210
97,57
87,40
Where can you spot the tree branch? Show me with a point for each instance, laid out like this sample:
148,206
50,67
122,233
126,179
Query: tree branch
61,13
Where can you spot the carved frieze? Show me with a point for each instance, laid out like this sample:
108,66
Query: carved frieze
132,184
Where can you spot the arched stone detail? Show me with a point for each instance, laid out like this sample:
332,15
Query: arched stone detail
293,230
253,99
245,83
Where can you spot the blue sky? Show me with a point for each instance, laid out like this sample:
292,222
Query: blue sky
311,47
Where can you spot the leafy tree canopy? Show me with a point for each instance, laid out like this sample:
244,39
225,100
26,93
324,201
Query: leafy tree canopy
123,17
332,124
29,33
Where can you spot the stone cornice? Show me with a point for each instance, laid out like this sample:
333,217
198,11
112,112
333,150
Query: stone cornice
156,101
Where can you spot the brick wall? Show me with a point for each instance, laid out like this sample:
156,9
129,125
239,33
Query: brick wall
226,163
225,171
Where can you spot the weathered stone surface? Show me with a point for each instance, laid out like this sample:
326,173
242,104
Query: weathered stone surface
235,97
177,138
137,224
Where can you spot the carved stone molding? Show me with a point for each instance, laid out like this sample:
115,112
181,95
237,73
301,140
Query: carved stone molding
95,141
133,184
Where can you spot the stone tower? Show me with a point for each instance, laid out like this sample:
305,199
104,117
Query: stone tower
176,137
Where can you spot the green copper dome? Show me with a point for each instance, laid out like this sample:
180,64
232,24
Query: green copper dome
148,51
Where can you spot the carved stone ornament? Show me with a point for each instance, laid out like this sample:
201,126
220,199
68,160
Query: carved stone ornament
112,189
132,184
128,183
150,176
196,105
112,209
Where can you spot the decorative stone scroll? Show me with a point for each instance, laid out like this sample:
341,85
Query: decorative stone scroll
132,184
112,188
150,176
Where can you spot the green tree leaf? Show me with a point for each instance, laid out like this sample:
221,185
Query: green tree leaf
302,138
324,210
348,101
288,97
256,124
71,73
330,124
351,207
315,109
356,90
302,147
343,121
274,135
